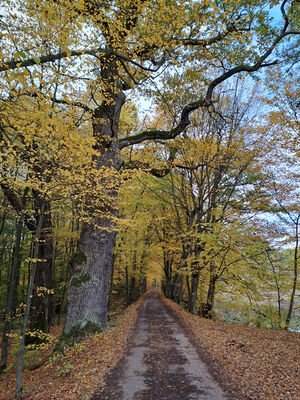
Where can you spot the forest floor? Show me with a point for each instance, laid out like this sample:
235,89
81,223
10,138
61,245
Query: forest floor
165,345
76,373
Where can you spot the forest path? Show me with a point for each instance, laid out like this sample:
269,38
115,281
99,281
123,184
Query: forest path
160,362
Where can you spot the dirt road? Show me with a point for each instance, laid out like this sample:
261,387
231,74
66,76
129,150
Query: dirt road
160,363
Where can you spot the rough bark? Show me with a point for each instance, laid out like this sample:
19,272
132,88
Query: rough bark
89,285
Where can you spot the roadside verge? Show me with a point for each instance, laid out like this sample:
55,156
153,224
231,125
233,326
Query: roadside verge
77,373
249,363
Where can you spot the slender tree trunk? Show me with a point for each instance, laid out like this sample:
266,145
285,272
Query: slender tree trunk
111,283
3,218
277,288
168,282
127,285
207,312
144,285
292,299
195,282
175,287
53,298
64,277
2,224
88,288
180,290
142,282
11,294
23,284
168,287
207,307
167,267
132,294
187,279
41,306
19,384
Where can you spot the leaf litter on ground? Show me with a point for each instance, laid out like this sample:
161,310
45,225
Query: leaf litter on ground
250,363
77,372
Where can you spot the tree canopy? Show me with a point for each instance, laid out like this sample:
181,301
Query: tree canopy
97,201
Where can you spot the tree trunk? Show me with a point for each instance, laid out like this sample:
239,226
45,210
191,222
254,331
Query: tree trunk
167,267
144,285
208,309
132,293
111,283
142,280
292,299
175,287
41,306
187,279
64,277
195,282
278,288
88,288
179,290
127,285
2,224
12,293
168,284
19,384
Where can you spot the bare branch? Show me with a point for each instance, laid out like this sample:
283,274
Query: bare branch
72,103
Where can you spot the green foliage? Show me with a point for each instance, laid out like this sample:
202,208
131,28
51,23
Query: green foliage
64,367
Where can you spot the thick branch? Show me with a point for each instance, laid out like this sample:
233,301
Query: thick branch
207,101
165,135
13,64
215,39
159,173
15,202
